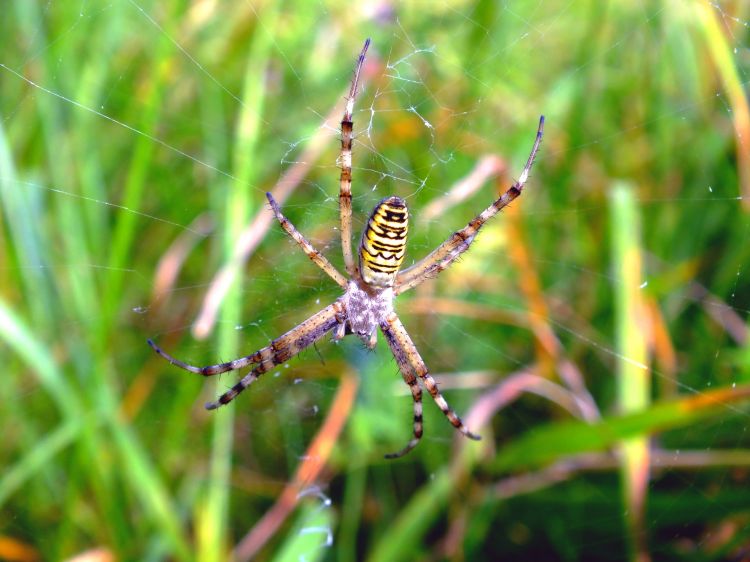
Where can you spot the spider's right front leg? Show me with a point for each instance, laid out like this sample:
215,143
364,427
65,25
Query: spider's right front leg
284,348
277,352
209,370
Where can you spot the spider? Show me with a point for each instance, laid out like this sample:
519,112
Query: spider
372,284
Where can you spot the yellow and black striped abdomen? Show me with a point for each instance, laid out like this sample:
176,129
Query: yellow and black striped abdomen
381,251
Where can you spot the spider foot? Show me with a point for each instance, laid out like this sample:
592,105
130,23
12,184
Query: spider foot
405,450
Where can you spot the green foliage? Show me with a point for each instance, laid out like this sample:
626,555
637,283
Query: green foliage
130,129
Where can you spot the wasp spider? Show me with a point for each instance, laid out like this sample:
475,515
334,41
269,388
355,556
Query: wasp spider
373,282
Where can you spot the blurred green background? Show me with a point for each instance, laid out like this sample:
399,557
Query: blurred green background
595,335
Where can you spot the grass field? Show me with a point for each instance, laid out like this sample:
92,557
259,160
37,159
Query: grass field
595,335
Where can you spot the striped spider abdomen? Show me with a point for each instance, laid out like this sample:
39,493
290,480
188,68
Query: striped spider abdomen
383,244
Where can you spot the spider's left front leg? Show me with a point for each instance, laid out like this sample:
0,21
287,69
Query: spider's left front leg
404,365
410,362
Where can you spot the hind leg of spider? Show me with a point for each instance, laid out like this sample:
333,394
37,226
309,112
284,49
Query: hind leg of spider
345,161
460,241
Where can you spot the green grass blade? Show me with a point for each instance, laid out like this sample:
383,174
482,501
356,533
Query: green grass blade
238,205
633,375
548,443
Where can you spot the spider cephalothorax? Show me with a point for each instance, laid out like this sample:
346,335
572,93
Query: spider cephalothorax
374,281
366,308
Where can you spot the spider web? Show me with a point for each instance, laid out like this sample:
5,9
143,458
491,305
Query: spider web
445,118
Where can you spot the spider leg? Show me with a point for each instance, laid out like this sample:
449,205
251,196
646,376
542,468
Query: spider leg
372,339
345,160
209,370
409,360
340,331
316,257
284,348
445,254
416,392
277,352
